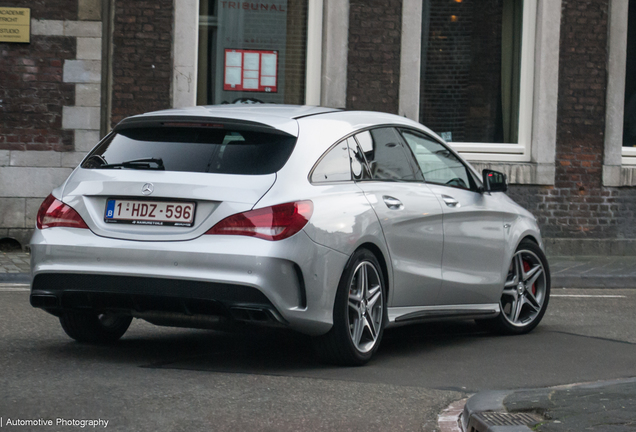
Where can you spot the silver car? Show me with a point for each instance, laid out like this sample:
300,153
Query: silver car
337,224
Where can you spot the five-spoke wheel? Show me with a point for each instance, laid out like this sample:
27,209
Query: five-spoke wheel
366,306
526,291
359,313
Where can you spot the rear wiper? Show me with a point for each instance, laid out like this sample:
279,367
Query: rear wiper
138,164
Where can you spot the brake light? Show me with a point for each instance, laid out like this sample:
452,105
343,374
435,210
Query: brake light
270,223
54,213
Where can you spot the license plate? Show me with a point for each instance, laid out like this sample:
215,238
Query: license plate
163,213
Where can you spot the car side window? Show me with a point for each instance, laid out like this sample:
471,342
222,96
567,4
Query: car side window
334,165
359,167
438,164
385,156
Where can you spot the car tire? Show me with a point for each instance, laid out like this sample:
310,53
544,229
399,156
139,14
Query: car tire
359,314
94,328
526,292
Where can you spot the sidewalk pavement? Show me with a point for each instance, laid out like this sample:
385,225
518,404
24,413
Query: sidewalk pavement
593,272
567,272
15,267
602,406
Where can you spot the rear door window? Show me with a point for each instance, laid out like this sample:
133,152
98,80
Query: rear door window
386,158
193,149
334,165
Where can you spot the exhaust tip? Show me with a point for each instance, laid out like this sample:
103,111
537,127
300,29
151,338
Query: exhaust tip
44,301
254,315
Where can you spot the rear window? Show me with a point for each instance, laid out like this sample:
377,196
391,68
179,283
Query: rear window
193,149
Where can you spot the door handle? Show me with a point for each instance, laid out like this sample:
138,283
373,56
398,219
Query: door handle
392,203
451,202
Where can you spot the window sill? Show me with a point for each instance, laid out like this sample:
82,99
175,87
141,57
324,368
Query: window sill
526,173
616,175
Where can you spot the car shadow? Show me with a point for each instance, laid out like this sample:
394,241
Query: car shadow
256,350
451,355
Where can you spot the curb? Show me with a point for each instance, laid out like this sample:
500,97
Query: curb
485,412
15,278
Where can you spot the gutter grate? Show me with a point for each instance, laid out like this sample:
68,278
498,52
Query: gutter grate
507,419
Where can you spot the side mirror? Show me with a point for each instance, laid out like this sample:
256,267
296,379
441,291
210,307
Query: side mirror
494,181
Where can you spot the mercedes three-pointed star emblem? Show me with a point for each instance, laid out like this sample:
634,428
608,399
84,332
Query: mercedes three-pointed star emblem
147,189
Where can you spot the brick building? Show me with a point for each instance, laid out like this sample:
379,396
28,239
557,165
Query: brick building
535,88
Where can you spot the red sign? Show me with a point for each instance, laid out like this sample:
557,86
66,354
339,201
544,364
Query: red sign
251,70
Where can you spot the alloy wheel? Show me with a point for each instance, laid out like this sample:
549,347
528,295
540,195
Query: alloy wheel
525,289
366,309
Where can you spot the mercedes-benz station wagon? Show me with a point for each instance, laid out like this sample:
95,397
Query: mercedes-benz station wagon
336,224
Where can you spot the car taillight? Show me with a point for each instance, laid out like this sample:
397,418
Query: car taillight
54,213
270,223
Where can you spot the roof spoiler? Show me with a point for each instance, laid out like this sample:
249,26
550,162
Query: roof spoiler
196,121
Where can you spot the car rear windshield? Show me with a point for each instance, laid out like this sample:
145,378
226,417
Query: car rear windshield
193,149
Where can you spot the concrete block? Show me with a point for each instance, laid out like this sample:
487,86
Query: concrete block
89,10
626,247
556,247
72,159
85,140
32,207
5,156
80,118
12,212
27,182
35,158
47,27
611,175
89,48
82,71
83,28
88,95
22,235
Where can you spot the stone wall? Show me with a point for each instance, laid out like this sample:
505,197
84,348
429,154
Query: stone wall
49,106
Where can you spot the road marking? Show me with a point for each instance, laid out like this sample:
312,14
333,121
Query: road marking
11,287
589,295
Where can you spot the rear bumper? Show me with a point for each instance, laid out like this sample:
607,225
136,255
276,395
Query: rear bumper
292,282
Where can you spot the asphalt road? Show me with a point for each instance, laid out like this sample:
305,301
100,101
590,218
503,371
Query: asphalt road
178,379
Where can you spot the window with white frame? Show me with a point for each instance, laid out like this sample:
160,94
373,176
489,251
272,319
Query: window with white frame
619,155
252,51
629,112
477,75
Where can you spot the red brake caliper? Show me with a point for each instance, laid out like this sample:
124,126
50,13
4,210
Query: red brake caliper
526,268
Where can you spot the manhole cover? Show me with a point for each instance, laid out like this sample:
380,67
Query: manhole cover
507,419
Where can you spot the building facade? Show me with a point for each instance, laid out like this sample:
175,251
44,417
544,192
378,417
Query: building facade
538,89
